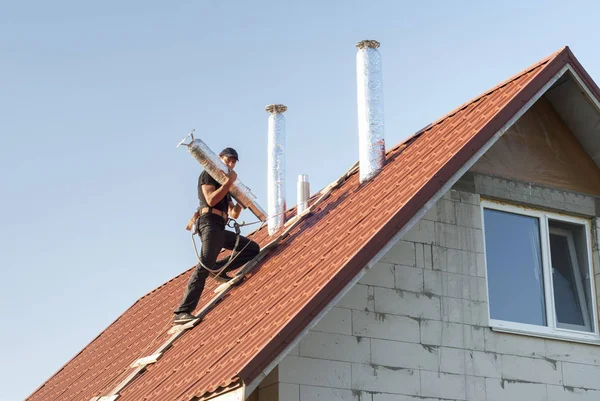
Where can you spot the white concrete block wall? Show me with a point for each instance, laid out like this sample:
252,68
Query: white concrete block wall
415,328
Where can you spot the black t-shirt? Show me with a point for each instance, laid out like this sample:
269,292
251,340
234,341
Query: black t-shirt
206,179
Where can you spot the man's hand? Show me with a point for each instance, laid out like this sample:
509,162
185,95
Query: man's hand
231,177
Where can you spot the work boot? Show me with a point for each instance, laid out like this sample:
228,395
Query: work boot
184,317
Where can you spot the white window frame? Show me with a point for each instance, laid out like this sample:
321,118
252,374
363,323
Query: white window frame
551,330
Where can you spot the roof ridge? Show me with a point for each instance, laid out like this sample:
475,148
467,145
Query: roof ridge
491,90
476,98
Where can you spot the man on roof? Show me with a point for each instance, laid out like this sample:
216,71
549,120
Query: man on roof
216,205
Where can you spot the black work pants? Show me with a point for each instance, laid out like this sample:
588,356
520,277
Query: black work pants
214,237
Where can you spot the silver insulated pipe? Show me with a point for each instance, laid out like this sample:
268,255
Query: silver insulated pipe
371,143
276,167
303,193
218,170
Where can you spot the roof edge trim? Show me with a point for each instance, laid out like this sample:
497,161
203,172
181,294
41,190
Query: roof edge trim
585,77
583,85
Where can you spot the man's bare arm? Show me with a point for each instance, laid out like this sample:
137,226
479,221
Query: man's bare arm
214,196
235,210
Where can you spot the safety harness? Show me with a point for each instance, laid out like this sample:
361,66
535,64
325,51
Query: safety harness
231,223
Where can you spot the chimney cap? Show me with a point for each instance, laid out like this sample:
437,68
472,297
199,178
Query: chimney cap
367,44
276,108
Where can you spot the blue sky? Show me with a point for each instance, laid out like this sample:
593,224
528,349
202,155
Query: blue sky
94,96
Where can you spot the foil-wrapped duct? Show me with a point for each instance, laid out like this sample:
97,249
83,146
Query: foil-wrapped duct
303,193
276,167
371,143
218,170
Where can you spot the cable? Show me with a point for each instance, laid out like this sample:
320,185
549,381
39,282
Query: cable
232,257
243,223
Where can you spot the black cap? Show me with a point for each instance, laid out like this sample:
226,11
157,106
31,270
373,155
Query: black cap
229,152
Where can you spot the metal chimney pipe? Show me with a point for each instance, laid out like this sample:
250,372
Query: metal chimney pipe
303,193
371,143
276,167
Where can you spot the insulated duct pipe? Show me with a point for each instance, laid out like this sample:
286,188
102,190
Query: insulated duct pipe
371,143
303,193
276,167
218,170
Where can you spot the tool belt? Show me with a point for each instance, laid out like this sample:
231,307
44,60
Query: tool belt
206,210
192,222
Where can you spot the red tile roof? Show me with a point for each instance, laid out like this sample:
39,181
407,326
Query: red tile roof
257,320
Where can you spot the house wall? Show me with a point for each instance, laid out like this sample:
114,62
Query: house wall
415,326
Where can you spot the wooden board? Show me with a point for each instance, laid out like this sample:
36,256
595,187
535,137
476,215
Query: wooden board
539,148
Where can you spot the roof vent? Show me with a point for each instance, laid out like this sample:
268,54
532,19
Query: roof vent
371,144
276,167
303,193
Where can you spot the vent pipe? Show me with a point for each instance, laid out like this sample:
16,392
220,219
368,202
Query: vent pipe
276,167
371,144
303,193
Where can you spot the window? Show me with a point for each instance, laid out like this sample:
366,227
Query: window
539,272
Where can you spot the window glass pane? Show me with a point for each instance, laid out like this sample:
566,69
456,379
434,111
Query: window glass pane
567,305
514,267
570,275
